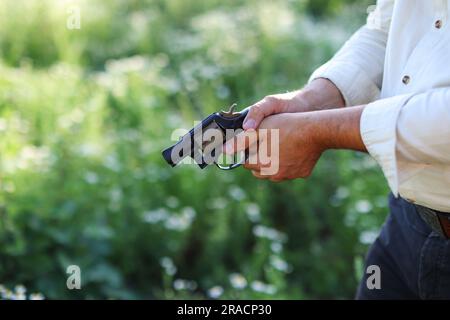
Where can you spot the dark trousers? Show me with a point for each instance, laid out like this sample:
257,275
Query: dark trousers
414,262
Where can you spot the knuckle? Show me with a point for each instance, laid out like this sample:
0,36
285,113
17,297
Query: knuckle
255,109
257,175
277,176
272,100
282,173
264,106
306,174
250,167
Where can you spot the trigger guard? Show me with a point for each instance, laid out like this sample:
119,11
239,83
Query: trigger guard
230,167
234,165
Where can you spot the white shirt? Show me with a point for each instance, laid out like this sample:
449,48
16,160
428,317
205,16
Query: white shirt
399,63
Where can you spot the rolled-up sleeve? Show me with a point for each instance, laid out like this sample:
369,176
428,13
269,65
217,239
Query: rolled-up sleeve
357,68
378,131
411,129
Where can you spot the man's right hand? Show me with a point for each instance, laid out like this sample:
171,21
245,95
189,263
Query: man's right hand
320,94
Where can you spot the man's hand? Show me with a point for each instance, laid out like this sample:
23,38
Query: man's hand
299,148
303,137
318,95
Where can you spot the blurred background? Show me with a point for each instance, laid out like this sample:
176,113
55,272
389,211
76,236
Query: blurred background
85,113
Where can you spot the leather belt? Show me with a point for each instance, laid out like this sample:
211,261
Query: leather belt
438,221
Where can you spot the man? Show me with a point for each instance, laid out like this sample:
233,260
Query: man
393,78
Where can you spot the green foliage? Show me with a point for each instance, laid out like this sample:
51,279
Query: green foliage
323,8
85,113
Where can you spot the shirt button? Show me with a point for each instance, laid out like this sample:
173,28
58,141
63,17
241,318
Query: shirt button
438,24
406,79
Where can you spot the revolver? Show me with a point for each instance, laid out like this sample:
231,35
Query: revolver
204,142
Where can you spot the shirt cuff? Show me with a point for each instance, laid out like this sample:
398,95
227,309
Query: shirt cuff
355,86
378,131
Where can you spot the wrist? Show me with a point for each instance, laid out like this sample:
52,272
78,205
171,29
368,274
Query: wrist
337,128
320,94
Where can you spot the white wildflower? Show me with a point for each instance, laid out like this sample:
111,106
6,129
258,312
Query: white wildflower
181,284
91,177
363,206
368,236
168,266
279,264
268,233
276,247
172,202
37,296
261,287
238,281
237,193
155,216
253,212
215,292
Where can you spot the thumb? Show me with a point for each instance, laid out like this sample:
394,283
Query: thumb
259,111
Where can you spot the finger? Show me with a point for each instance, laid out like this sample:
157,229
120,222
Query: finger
259,111
252,167
256,174
251,161
241,142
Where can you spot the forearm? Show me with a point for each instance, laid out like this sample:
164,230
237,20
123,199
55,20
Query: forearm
338,128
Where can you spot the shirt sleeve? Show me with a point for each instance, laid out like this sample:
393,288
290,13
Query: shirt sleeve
357,68
412,129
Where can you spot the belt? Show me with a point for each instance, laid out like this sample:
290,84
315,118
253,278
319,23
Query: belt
438,221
